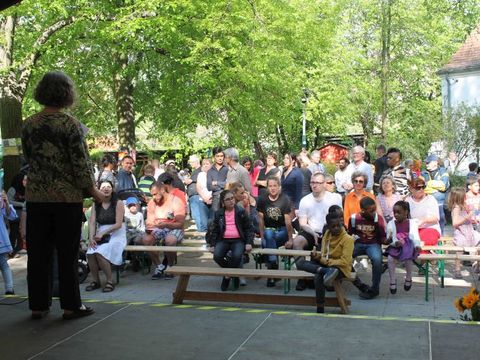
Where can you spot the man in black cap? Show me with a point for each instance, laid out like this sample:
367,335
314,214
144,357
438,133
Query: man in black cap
437,181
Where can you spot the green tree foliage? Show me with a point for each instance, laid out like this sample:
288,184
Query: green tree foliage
193,73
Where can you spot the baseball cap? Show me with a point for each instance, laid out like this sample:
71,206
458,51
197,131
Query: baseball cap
132,200
169,162
431,157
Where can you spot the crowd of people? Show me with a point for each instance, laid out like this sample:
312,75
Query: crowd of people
388,208
385,209
388,214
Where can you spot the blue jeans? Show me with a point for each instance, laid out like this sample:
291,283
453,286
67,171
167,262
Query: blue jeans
442,221
237,247
6,272
374,253
313,267
199,211
273,239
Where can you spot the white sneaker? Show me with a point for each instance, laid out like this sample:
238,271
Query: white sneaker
161,267
364,263
357,265
158,273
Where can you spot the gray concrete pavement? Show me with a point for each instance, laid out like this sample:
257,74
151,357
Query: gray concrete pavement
136,320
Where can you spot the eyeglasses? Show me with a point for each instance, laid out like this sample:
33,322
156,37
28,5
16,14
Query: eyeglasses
418,188
358,181
228,199
317,182
330,182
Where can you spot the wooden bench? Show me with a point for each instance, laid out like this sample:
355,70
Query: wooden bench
204,249
441,258
184,272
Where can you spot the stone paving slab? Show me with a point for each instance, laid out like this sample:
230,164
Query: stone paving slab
127,331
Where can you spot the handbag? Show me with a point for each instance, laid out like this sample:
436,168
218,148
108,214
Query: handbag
104,239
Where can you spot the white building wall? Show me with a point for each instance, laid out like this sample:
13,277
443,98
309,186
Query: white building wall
461,88
457,89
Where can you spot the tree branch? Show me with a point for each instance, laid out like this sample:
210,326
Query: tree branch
31,59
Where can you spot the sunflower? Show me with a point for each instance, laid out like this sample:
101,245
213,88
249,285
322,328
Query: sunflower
470,300
459,305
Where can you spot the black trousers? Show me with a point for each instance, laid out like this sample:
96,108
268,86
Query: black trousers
53,226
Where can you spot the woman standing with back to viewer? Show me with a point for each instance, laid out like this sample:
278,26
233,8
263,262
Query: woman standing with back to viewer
59,177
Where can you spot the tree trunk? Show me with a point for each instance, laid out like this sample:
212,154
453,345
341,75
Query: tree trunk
10,103
123,92
279,141
259,150
11,125
317,138
385,64
366,127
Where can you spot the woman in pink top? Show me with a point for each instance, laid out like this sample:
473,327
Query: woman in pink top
253,171
232,231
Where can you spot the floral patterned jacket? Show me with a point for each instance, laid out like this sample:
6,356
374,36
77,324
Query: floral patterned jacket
60,168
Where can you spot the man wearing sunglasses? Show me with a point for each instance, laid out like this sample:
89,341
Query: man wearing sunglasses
438,183
312,213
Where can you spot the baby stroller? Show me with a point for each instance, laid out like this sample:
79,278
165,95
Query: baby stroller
83,269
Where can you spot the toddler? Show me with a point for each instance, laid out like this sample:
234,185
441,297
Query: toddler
403,234
8,212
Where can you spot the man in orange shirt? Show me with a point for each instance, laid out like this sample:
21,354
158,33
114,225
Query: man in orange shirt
164,225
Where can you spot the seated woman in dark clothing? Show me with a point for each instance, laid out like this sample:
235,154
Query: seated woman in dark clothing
231,231
107,237
275,222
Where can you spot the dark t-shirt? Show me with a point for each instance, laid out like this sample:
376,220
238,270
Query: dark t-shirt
274,211
192,187
262,191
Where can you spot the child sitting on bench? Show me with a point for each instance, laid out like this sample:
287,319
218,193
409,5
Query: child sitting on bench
368,230
334,260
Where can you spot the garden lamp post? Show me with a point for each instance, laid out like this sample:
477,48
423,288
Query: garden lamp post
304,118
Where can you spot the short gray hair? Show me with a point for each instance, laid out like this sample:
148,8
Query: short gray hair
194,158
358,148
360,174
329,177
232,153
382,179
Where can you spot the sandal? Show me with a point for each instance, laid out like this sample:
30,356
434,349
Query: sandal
407,285
92,286
109,287
81,312
393,288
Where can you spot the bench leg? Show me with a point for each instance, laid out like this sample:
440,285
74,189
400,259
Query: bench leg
287,265
441,272
180,290
427,268
337,285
